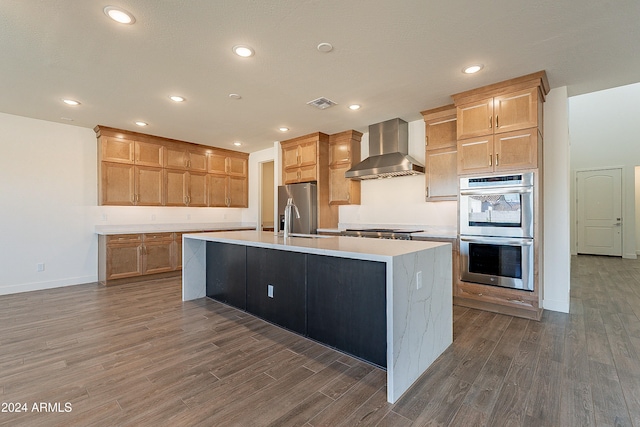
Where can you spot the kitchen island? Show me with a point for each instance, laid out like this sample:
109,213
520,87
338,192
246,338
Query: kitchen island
416,297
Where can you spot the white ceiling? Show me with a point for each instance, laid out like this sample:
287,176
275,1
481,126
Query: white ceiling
395,58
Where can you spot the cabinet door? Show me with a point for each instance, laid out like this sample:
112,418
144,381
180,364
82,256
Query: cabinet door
308,153
518,110
290,156
237,166
516,150
197,161
149,186
291,175
124,260
340,153
475,119
197,195
226,274
217,163
475,155
237,196
175,158
217,189
441,133
176,187
118,184
342,191
346,306
308,173
117,150
441,174
157,257
276,287
148,154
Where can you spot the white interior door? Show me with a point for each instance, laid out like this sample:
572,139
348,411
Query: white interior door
599,209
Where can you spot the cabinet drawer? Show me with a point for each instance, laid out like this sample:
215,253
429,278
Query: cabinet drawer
124,238
497,295
153,237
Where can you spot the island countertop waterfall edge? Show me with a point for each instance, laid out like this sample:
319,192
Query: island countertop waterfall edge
419,318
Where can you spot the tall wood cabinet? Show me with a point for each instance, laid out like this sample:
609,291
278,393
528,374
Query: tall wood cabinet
440,169
500,130
145,170
306,159
344,152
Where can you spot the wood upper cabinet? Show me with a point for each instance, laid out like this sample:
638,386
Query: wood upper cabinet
500,126
123,184
183,188
441,168
344,151
504,113
300,158
145,170
181,158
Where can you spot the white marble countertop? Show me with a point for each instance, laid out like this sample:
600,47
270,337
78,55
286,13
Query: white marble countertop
345,247
167,227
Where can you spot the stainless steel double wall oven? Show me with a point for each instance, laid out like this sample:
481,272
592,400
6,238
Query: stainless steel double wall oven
496,230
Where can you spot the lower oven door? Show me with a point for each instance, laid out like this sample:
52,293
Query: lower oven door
498,261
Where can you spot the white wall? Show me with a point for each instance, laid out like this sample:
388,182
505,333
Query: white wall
637,183
556,189
604,133
48,200
400,201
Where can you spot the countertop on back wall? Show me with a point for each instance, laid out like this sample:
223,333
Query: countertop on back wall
172,227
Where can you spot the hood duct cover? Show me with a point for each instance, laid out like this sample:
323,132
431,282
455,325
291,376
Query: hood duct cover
388,153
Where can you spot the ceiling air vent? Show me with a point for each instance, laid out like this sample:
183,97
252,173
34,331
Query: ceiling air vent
322,103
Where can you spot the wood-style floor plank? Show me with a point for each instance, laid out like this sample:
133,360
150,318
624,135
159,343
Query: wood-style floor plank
136,355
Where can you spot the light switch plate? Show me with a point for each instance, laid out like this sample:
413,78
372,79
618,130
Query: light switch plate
270,291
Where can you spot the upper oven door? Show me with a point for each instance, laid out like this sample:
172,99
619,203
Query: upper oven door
500,212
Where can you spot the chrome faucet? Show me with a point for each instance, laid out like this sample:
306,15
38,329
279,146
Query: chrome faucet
287,216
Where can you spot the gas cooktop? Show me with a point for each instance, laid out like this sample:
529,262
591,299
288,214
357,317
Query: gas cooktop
381,233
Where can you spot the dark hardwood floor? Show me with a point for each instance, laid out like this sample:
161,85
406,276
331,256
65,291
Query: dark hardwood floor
136,355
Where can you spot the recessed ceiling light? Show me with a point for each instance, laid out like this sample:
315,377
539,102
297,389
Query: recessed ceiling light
71,102
142,124
354,107
283,129
325,47
119,15
177,98
237,143
234,96
242,50
472,69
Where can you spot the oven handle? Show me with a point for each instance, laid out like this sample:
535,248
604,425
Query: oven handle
498,240
487,191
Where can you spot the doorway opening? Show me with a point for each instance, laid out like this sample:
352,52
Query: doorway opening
267,192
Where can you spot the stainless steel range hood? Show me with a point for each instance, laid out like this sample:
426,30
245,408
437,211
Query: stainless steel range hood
388,153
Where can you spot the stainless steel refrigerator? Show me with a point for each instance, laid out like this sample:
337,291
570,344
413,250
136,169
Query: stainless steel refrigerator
304,196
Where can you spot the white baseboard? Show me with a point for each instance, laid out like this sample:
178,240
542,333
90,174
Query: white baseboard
37,286
553,305
630,256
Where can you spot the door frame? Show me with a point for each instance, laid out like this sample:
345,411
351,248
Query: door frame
574,204
261,195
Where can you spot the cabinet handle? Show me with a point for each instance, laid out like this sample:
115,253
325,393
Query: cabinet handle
497,154
188,163
490,121
497,122
426,193
186,201
490,164
133,199
189,199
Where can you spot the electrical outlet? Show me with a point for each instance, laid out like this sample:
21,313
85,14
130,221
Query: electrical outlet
40,266
270,291
419,280
188,216
153,217
104,217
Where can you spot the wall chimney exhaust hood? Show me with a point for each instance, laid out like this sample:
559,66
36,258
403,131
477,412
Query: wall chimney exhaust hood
388,153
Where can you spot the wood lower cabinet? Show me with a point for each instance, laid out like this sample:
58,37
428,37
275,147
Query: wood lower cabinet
158,253
123,256
276,287
346,306
226,274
